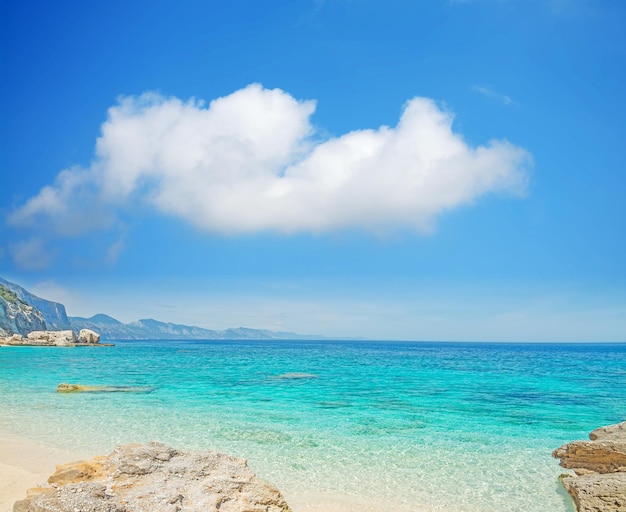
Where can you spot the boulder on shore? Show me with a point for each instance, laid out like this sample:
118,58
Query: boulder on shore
66,338
155,477
599,483
88,336
57,338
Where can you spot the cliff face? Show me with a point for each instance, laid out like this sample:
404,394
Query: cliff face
53,313
16,316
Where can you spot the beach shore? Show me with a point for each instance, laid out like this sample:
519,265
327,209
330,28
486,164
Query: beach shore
25,463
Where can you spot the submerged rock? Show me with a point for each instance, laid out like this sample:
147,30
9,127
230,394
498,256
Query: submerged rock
155,478
79,388
600,466
296,376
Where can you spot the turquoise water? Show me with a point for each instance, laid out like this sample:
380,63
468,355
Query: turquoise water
402,426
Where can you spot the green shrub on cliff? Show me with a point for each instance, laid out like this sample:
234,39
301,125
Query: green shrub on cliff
10,296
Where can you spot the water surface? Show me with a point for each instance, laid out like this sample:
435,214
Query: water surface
409,426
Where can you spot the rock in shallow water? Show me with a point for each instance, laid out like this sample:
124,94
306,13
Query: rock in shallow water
155,478
600,466
295,376
64,387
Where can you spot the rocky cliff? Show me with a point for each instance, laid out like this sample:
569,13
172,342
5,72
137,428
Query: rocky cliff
53,313
16,316
599,483
155,477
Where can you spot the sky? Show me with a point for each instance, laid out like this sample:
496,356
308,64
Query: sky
406,170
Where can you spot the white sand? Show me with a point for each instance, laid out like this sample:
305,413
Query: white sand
25,464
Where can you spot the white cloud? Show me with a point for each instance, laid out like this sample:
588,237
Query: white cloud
31,254
576,8
71,206
249,162
114,251
489,92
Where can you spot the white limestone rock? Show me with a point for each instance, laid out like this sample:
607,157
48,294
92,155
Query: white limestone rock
54,338
88,336
155,478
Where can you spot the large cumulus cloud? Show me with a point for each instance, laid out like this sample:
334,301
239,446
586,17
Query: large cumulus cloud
251,161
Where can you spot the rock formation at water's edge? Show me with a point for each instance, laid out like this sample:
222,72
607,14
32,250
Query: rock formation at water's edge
67,338
155,477
599,483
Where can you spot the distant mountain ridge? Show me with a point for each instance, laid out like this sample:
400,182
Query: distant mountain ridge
150,329
22,312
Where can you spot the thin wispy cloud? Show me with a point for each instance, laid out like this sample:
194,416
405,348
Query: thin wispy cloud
575,8
31,254
493,94
114,251
251,162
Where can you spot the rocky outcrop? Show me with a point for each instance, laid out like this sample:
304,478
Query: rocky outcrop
57,338
88,336
599,483
16,316
155,477
52,312
53,339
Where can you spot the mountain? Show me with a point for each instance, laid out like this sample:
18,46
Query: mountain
17,316
112,329
150,329
53,313
22,312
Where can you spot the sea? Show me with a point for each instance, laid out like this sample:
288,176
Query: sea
403,426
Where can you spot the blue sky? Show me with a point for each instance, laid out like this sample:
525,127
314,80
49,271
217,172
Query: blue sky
432,170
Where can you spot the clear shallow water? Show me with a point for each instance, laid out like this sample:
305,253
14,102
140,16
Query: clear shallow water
408,426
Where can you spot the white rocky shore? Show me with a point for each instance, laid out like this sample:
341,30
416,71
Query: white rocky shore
599,483
68,338
155,478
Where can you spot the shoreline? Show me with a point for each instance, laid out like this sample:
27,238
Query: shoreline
26,463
